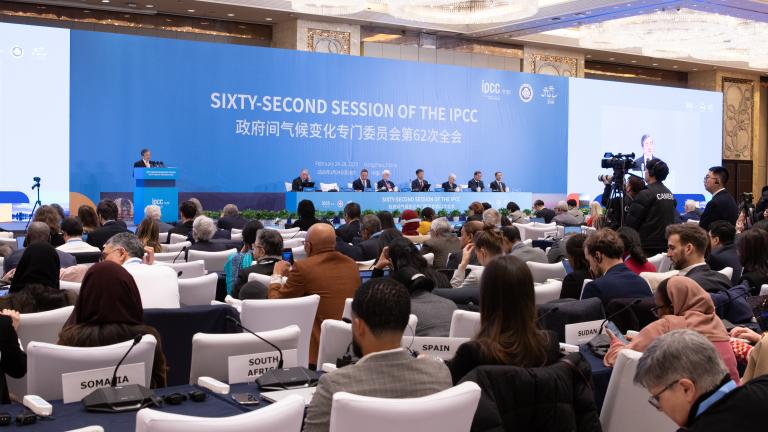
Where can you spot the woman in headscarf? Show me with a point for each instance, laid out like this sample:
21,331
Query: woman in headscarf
410,222
681,304
109,311
35,283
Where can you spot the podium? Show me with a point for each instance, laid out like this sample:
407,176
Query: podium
155,186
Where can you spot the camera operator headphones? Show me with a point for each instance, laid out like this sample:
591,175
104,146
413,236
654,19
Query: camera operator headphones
651,167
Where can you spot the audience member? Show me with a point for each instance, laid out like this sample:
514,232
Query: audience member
38,232
244,258
60,210
306,212
109,311
73,241
515,215
35,281
188,213
691,211
427,216
14,359
486,244
653,209
198,206
509,333
753,252
387,221
230,218
573,282
267,250
542,212
724,252
689,383
492,217
158,284
109,225
442,242
153,211
351,227
410,223
722,206
566,217
49,216
687,245
325,272
380,312
514,245
634,257
681,303
148,232
594,210
467,234
87,216
613,280
203,230
475,212
367,247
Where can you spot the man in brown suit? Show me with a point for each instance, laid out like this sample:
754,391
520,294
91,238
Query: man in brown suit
325,272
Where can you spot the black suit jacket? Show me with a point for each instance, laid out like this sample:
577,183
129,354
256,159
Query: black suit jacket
13,361
164,227
381,186
726,256
263,266
474,184
349,231
229,222
546,213
721,207
100,235
639,163
140,164
359,186
298,185
184,229
210,245
709,279
448,188
362,251
416,187
498,186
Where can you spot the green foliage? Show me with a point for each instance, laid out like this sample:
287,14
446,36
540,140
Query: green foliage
396,213
455,213
442,213
527,212
368,212
212,214
504,211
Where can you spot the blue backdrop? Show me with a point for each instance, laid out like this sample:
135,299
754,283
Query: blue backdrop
212,111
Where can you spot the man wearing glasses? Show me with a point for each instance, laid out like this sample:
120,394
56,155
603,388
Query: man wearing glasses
722,206
689,383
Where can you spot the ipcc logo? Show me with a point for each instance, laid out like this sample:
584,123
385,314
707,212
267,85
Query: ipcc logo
525,92
490,88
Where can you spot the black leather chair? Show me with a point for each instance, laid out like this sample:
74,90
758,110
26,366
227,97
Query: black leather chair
569,311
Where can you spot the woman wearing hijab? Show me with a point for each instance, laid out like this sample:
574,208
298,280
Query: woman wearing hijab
35,283
13,361
681,304
109,311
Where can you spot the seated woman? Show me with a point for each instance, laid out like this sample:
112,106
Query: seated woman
13,361
244,258
306,212
109,311
753,252
411,269
427,216
49,216
149,234
35,282
594,210
509,334
573,282
475,212
681,304
88,218
634,257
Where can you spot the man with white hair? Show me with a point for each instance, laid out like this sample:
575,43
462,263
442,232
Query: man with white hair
691,211
230,218
442,242
451,185
203,230
688,382
492,217
302,181
385,184
153,211
563,216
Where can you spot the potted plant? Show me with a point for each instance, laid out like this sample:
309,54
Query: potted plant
455,215
329,215
442,213
396,214
368,212
504,211
281,218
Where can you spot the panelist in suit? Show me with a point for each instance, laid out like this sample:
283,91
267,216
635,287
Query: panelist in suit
301,182
646,143
362,183
385,184
107,212
722,206
419,184
451,185
497,185
145,161
476,183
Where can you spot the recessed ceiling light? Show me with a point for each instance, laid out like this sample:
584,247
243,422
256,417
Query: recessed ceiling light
105,1
267,19
634,61
589,55
204,23
674,67
655,64
611,59
190,10
695,69
230,14
150,5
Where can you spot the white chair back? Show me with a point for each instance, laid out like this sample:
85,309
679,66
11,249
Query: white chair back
365,265
626,407
547,292
189,270
2,263
284,416
265,315
288,186
170,257
214,261
6,234
536,232
299,253
326,187
258,277
211,352
10,242
430,257
728,272
541,272
451,410
347,309
177,238
656,260
692,221
70,286
440,347
47,362
236,237
293,243
285,231
410,330
335,337
174,247
764,289
464,324
198,291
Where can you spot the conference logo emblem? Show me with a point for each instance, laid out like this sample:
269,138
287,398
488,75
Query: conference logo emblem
549,94
493,90
525,93
340,203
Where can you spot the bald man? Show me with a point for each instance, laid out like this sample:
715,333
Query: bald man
325,272
38,232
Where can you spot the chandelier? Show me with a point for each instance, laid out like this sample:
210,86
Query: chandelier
431,11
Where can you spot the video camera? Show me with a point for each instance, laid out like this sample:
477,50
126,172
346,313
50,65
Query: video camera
620,163
747,197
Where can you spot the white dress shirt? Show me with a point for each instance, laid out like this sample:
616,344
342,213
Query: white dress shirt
75,245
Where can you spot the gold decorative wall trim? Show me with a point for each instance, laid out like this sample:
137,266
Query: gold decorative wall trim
328,41
549,64
738,118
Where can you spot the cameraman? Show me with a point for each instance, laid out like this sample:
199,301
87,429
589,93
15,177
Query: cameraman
632,186
762,204
653,209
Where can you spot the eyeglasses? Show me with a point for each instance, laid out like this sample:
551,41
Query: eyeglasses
655,310
654,399
104,255
707,177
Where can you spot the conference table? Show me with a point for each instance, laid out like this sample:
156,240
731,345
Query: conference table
449,201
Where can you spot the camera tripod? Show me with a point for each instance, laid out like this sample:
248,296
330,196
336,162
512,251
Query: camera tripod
38,203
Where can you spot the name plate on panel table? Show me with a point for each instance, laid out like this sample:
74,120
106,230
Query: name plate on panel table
581,333
248,367
77,385
440,347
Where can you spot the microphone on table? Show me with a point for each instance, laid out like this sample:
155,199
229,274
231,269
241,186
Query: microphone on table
281,378
553,310
184,249
122,398
601,342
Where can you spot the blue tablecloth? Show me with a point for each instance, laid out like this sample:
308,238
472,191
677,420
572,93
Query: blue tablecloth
601,375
